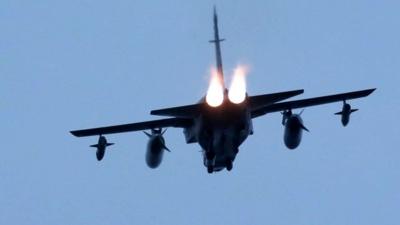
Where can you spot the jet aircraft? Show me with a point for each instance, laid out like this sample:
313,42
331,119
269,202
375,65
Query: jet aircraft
220,122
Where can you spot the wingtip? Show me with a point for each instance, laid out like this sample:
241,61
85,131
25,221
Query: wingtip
74,133
297,92
370,91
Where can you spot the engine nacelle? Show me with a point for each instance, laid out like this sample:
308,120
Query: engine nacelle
155,148
293,129
101,147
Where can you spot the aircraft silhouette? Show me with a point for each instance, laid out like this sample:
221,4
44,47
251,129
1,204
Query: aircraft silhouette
220,128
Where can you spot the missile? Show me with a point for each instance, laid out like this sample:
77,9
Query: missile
345,113
101,146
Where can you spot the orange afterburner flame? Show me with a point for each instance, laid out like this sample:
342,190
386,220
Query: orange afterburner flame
215,92
237,90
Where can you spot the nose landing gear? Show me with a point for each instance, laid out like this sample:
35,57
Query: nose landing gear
210,168
210,155
213,164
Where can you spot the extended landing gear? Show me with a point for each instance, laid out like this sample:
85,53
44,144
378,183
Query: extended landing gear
229,165
210,168
210,155
215,164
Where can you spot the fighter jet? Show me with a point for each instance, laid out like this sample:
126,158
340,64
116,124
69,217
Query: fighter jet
222,120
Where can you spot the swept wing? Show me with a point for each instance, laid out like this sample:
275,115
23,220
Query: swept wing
310,102
172,122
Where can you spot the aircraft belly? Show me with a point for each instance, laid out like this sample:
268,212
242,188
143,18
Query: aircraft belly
225,146
221,158
191,133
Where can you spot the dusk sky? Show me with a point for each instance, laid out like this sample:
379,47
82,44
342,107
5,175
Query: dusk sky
67,65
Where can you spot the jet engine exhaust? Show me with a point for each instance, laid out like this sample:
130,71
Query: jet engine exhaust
215,92
237,90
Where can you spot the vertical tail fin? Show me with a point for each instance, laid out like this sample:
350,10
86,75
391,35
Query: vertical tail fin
217,41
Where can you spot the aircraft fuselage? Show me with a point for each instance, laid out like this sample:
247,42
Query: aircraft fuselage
220,131
222,120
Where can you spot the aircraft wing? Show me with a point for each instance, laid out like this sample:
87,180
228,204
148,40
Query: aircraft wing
259,101
171,122
310,102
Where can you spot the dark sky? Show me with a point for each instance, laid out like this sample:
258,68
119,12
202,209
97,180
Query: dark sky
67,65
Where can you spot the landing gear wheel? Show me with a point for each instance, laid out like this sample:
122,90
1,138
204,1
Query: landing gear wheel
229,165
210,155
210,169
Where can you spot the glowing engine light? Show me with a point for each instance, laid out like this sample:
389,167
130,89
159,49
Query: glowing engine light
215,92
237,90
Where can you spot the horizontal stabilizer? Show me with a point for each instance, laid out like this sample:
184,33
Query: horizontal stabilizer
339,113
260,101
188,111
353,110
